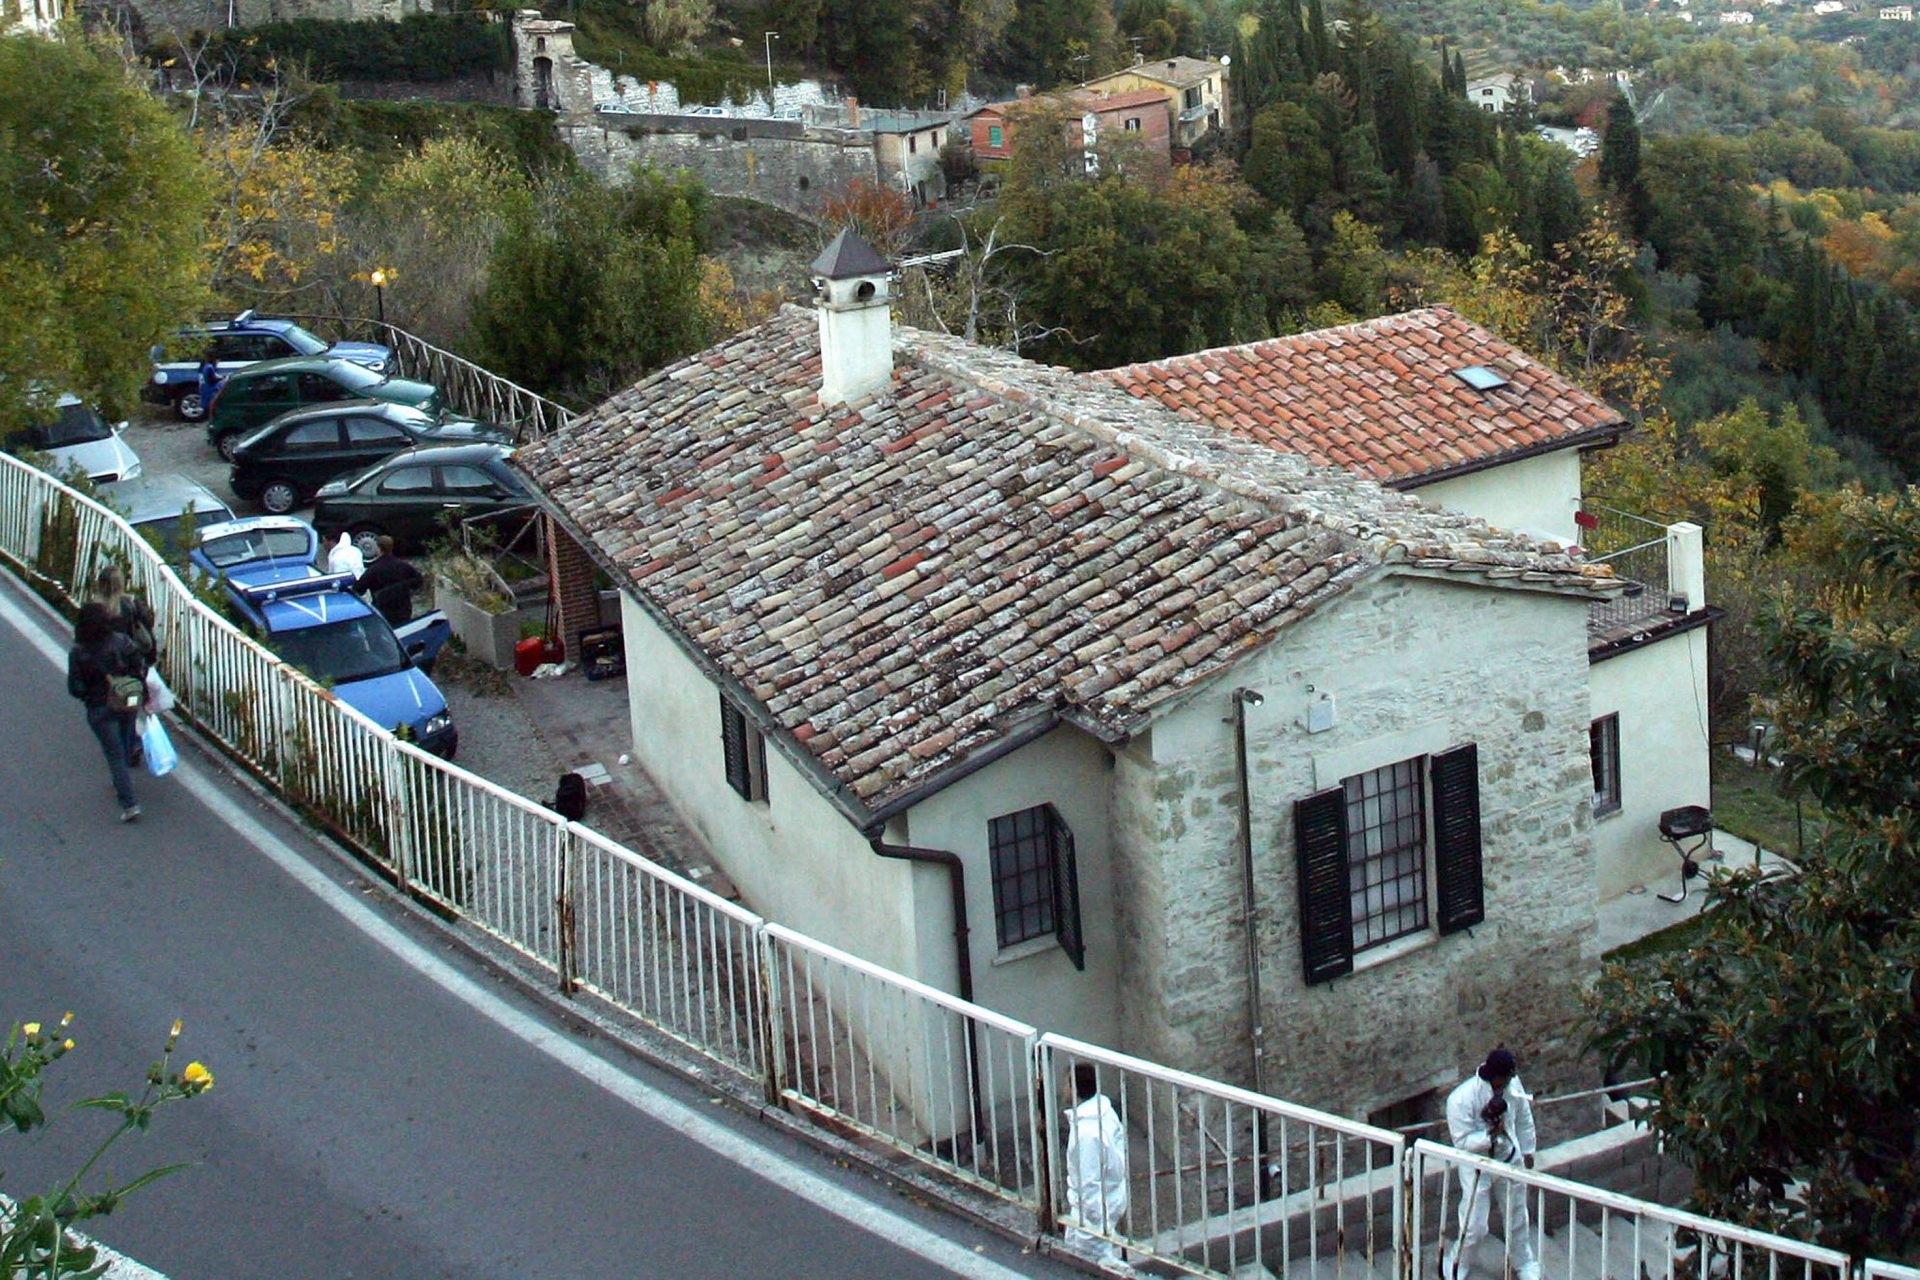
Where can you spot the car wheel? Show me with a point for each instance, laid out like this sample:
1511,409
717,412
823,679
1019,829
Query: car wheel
189,407
228,443
279,497
367,538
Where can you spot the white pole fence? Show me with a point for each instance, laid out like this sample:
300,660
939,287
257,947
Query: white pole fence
1221,1181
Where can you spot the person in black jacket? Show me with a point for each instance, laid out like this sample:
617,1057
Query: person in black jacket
101,653
389,583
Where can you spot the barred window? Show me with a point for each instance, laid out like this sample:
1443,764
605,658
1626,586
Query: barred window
1387,852
1603,745
1036,889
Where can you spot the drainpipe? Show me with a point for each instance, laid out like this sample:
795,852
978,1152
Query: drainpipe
1257,1032
962,952
1256,1028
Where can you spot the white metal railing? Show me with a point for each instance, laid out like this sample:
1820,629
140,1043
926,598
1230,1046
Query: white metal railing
1877,1270
1223,1179
945,1081
1578,1232
678,956
465,386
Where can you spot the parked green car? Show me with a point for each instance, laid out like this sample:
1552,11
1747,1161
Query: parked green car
263,391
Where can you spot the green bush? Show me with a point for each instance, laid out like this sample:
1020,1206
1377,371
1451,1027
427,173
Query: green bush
420,47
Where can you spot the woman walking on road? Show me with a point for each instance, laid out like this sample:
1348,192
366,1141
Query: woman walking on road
107,673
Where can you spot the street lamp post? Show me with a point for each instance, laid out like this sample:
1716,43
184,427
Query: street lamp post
771,36
379,278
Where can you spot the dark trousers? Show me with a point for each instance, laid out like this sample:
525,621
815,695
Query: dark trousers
117,741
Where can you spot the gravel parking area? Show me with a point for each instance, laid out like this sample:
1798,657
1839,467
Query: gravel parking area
167,445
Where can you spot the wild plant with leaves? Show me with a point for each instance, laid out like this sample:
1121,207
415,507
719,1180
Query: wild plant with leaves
35,1239
1790,1032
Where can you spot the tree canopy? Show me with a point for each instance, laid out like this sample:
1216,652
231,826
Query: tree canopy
103,205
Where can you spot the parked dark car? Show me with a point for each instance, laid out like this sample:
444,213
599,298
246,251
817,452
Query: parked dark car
283,463
235,344
413,495
258,394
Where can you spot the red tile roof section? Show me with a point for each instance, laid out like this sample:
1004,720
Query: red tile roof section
984,546
1379,397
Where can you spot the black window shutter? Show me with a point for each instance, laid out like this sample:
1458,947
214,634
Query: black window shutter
1326,920
1456,838
1066,890
733,744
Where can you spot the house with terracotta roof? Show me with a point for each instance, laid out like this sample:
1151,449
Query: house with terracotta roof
1197,86
1431,404
1087,710
1141,118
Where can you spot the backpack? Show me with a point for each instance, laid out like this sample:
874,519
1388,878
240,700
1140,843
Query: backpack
133,618
126,694
125,668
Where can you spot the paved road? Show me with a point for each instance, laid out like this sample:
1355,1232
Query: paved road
383,1106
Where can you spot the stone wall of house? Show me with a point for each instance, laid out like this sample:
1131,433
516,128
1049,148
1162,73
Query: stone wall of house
784,163
1411,667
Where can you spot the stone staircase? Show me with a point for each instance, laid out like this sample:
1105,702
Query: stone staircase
1569,1251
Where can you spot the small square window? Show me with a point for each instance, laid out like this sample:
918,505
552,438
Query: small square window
1036,883
1133,124
1603,745
744,751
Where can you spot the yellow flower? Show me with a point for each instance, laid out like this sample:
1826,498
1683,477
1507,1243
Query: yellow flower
67,1047
67,1019
176,1028
32,1028
196,1077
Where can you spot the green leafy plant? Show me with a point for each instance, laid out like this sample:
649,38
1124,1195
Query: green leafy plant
35,1239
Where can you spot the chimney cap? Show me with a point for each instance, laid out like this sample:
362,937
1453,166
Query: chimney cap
848,256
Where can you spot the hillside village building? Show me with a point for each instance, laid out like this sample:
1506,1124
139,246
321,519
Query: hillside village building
957,661
1197,88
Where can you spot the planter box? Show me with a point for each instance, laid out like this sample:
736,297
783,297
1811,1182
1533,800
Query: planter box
489,637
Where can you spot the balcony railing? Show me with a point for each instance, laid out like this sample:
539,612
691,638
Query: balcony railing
1638,550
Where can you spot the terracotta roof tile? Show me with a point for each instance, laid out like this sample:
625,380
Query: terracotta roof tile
897,609
1380,397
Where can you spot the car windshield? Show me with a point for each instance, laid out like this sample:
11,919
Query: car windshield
356,649
303,342
77,424
256,544
355,377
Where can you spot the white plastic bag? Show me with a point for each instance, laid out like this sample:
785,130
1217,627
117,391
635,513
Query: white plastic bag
161,756
159,697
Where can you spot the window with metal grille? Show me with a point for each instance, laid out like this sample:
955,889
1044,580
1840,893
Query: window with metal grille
1036,883
1133,124
744,752
1387,852
1603,745
993,135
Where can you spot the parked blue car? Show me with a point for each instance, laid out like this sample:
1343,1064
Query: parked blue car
234,344
313,620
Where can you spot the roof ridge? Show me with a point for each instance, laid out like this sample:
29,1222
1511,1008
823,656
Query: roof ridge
1395,528
1288,340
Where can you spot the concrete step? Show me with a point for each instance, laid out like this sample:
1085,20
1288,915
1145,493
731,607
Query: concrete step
1648,1257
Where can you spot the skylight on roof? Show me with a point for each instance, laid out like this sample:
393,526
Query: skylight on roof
1480,378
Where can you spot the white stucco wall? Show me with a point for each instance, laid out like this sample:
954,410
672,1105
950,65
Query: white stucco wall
1034,981
1659,692
1536,495
1413,666
793,856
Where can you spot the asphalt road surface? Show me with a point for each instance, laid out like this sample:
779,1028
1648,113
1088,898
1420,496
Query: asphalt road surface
383,1106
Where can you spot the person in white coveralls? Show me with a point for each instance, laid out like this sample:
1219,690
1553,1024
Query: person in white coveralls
1096,1173
1490,1114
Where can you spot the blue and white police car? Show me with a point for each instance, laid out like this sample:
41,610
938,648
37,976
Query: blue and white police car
313,620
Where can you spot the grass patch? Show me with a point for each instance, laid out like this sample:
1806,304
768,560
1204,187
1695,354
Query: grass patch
608,33
1748,802
1675,937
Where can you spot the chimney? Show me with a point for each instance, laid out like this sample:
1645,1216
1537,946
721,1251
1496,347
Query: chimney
1023,91
853,113
854,286
1139,59
1172,65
